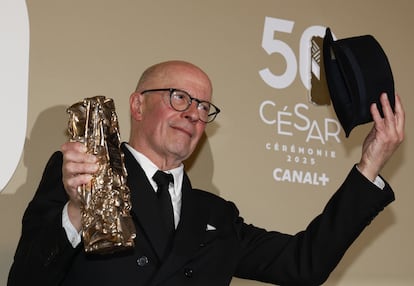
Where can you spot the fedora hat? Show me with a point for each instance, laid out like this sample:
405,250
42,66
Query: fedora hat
357,72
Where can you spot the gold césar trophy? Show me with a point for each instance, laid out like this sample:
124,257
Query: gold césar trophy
107,225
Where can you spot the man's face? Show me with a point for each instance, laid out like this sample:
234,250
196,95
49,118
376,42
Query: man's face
164,133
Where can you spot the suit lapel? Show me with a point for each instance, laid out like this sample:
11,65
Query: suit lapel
144,205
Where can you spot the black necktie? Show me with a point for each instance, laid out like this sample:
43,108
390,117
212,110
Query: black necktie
163,180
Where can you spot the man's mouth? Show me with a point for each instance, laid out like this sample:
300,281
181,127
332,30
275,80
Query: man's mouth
184,130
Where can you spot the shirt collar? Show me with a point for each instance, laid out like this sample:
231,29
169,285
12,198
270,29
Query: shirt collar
150,168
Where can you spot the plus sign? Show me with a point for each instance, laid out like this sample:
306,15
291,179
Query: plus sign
324,179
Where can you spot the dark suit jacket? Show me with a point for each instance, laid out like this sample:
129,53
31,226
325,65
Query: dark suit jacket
199,256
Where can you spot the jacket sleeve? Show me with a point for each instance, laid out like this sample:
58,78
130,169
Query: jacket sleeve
309,257
44,253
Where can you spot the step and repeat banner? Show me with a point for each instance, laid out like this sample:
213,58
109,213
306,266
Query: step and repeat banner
276,150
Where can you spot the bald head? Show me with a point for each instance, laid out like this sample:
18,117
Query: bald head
165,72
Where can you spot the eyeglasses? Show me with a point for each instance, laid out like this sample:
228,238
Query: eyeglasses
181,101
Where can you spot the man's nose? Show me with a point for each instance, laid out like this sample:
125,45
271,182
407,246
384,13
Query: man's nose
192,112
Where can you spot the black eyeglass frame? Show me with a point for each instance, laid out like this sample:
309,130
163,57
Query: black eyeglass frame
211,115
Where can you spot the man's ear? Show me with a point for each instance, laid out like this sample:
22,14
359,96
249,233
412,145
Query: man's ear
135,105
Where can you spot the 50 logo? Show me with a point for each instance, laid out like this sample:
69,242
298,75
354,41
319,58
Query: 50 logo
14,69
289,120
272,45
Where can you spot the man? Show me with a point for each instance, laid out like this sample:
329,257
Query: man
211,243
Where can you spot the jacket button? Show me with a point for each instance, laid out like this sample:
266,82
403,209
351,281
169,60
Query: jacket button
188,272
142,261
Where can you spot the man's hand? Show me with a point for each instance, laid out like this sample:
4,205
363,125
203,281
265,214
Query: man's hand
383,139
77,169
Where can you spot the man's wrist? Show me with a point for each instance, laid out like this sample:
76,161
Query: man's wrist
377,180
